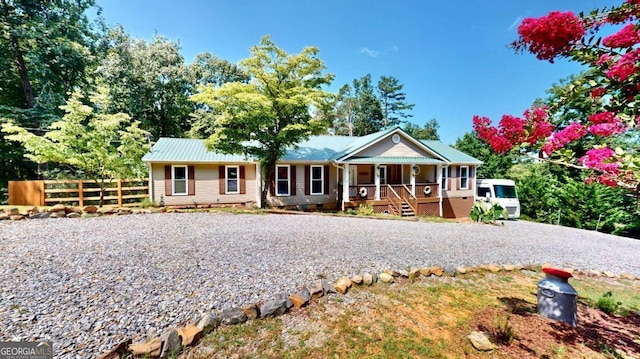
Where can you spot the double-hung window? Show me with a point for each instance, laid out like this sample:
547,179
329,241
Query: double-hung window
232,178
464,177
317,180
282,180
180,178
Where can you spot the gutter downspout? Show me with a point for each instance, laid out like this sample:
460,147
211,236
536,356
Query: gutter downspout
151,194
258,184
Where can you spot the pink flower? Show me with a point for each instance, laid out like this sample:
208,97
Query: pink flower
608,129
602,159
605,58
602,117
598,92
551,35
625,67
573,132
626,37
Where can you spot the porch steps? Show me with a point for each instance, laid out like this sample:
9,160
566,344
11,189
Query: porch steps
406,210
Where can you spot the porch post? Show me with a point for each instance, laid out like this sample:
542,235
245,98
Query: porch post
377,181
439,192
345,185
258,185
413,180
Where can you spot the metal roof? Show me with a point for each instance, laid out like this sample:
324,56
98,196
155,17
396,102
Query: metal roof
318,148
451,154
187,150
396,160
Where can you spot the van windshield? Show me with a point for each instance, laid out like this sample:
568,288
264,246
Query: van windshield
505,191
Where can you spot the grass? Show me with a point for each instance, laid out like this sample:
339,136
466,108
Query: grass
623,291
427,318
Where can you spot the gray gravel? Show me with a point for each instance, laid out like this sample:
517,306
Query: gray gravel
87,284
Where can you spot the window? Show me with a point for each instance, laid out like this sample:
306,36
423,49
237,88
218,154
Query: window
180,177
317,180
505,191
232,179
383,174
282,180
464,177
444,178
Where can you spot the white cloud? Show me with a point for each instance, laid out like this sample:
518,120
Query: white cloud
515,23
367,51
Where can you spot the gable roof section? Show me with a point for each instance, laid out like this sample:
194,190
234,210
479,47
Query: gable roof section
318,148
451,154
177,150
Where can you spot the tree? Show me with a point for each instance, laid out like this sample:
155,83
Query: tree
271,113
429,131
612,83
88,141
494,165
392,100
148,81
346,108
368,117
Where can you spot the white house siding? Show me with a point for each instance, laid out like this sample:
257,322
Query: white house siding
207,189
327,200
386,148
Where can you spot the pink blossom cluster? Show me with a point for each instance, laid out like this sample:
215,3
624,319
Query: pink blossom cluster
626,37
604,160
511,130
606,124
598,92
602,117
551,35
573,132
625,66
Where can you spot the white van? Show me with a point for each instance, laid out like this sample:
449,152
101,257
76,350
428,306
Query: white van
502,191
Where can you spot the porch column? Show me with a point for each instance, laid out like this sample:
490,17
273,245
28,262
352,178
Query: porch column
377,179
345,185
258,185
413,180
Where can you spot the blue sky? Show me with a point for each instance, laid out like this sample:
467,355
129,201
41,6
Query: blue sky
451,56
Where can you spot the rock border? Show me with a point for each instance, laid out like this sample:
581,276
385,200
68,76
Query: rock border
63,211
174,340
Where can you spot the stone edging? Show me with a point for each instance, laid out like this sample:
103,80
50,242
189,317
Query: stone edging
172,341
62,211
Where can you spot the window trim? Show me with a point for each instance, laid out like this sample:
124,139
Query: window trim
466,177
321,179
444,178
173,180
277,180
226,180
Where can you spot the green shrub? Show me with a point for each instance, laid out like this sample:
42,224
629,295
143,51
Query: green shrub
504,331
146,203
366,210
481,213
608,303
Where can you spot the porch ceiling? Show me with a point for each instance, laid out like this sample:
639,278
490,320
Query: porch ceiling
395,160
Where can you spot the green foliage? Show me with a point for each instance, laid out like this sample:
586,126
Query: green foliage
428,132
480,212
146,203
96,145
504,331
270,114
608,303
392,101
365,210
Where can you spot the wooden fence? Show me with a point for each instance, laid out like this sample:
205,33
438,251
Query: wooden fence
121,192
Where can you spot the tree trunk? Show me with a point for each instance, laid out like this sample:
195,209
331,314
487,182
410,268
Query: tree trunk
268,167
22,69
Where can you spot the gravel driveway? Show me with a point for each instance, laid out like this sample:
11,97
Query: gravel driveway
87,284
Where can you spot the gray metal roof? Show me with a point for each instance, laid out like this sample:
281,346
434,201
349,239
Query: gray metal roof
178,150
451,154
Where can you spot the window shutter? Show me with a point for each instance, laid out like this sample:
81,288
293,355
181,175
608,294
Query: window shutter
272,182
192,180
167,180
326,179
458,179
221,179
292,179
307,180
472,176
243,184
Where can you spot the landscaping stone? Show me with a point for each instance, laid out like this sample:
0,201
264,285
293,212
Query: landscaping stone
119,351
392,273
12,211
300,298
39,215
386,277
316,290
404,273
16,217
285,297
342,285
328,288
461,270
480,341
90,209
626,275
124,210
273,308
491,268
610,274
58,214
233,315
414,273
57,207
367,279
151,349
208,322
190,334
356,279
251,311
4,216
593,272
74,215
509,267
427,271
171,344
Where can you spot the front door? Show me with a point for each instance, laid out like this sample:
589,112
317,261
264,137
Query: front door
383,175
353,175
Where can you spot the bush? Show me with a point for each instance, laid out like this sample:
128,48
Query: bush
480,212
608,303
146,203
366,210
504,331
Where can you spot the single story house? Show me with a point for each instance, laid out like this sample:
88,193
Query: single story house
390,170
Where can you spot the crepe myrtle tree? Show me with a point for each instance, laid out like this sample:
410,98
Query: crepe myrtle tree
613,83
98,146
272,112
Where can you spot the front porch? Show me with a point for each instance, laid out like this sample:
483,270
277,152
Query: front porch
398,189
